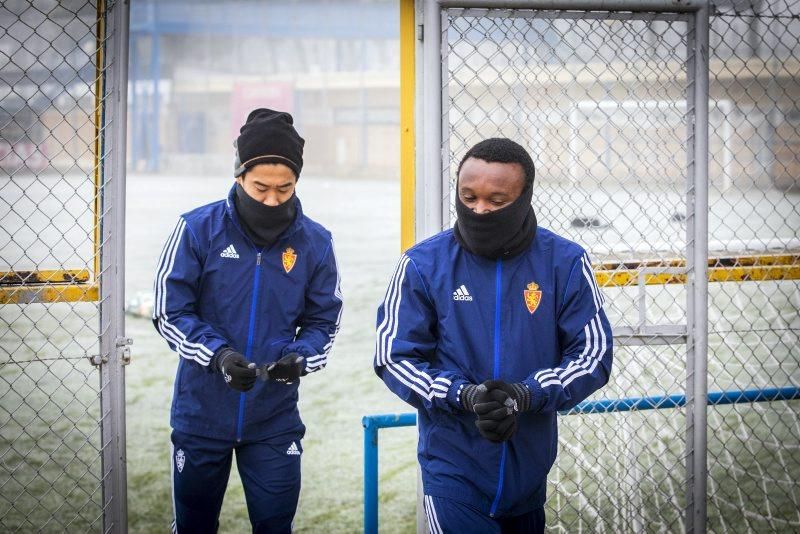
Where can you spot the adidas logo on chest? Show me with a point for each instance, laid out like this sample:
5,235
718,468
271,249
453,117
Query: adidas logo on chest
229,252
293,450
461,294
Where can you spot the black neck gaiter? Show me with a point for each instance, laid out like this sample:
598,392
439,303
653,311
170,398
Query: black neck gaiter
503,233
263,224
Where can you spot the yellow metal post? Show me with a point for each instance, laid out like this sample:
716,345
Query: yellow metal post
98,117
407,152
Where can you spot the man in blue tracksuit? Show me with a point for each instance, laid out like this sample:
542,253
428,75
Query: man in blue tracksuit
488,330
246,287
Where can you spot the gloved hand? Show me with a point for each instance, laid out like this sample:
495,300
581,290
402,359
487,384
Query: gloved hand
497,419
238,373
287,369
518,392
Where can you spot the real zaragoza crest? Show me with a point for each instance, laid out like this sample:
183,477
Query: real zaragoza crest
180,460
532,297
289,257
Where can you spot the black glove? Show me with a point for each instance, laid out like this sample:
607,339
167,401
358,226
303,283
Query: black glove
238,373
287,369
518,392
497,419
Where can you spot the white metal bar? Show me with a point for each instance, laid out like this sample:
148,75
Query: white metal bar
700,270
429,181
691,40
445,113
113,343
628,336
567,15
675,6
421,224
697,273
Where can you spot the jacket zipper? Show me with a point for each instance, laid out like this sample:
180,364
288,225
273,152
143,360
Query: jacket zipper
250,334
496,374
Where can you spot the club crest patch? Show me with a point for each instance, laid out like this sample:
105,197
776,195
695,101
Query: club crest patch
289,258
533,296
180,460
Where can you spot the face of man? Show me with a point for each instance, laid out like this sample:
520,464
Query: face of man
484,187
269,183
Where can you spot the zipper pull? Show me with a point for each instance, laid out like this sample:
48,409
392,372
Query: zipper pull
258,259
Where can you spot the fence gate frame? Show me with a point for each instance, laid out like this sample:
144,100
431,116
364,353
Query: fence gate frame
103,283
425,197
114,345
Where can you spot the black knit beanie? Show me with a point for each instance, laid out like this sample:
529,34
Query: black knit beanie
268,137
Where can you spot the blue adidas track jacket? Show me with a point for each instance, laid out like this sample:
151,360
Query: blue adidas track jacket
214,288
450,318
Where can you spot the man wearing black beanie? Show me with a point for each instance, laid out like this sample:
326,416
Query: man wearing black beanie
489,329
247,292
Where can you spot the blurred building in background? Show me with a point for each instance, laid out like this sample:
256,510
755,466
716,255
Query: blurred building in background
198,67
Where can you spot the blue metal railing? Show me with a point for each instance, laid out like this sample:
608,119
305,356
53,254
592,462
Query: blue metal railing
373,423
660,402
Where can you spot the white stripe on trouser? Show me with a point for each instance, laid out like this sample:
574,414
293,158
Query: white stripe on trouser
172,485
433,521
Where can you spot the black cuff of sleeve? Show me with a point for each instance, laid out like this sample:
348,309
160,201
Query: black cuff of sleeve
219,357
522,395
468,396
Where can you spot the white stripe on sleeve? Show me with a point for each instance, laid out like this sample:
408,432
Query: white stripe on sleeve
594,349
589,276
185,348
415,379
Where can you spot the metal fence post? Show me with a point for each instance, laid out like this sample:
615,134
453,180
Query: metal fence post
113,343
697,272
699,335
429,182
370,476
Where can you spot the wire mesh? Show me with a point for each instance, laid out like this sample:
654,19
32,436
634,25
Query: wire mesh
754,327
601,101
53,92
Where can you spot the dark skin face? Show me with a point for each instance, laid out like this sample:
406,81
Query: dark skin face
486,187
269,183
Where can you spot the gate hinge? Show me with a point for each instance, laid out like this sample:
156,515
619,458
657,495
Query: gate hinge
124,350
420,32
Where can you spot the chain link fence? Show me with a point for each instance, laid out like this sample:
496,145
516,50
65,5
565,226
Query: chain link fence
754,205
604,103
59,227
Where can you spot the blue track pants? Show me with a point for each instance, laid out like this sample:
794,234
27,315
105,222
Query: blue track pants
270,473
